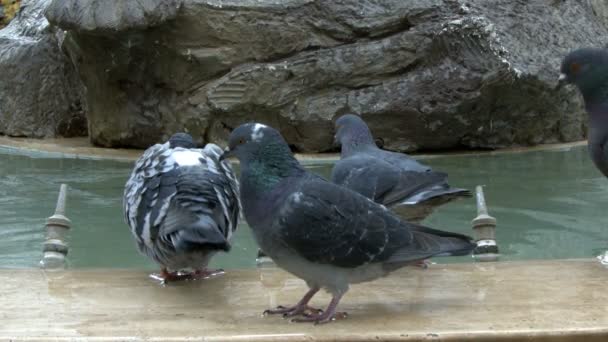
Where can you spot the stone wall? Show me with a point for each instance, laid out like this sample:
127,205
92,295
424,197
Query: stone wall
426,74
41,94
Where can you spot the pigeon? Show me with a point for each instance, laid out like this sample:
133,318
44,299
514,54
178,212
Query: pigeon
587,68
323,233
182,205
393,179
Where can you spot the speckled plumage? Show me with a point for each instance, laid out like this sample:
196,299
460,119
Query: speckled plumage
323,233
396,180
182,203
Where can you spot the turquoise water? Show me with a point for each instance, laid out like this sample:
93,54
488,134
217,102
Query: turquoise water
548,204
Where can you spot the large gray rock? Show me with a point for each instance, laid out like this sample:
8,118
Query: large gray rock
40,92
425,74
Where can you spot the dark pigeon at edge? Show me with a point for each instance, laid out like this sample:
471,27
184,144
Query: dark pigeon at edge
411,189
323,233
587,68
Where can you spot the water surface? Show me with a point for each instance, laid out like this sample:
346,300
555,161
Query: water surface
549,205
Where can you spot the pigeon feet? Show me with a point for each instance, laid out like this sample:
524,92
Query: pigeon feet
301,308
292,311
324,317
166,277
207,273
321,317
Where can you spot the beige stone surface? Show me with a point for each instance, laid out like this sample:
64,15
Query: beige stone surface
506,301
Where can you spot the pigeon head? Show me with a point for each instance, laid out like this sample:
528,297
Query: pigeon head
256,141
587,68
351,132
181,140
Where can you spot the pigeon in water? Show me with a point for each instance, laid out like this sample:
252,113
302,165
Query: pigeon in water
395,180
587,68
182,204
326,234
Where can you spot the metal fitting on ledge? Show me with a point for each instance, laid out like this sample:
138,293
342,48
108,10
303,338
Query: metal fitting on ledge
484,227
263,260
55,247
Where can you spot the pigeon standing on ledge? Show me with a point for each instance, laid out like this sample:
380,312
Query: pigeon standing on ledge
587,68
323,233
395,180
182,204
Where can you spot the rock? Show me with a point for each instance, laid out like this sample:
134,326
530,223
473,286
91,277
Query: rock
112,16
425,74
8,9
40,91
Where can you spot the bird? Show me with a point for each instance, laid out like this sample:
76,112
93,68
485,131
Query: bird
321,232
182,205
587,69
411,189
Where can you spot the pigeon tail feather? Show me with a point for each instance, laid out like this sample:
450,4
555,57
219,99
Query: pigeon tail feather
437,196
203,235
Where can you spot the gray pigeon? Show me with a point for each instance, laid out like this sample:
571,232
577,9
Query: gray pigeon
395,180
326,234
588,69
182,204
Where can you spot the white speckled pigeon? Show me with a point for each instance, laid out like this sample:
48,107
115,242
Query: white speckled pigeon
395,180
326,234
182,204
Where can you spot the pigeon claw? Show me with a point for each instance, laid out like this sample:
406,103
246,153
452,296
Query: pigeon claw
321,318
309,312
207,273
292,311
165,277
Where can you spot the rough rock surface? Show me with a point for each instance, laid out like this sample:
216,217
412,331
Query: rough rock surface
425,74
40,91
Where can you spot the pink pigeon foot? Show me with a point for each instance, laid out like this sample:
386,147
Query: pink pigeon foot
302,308
324,317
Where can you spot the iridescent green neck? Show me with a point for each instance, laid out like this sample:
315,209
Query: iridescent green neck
269,165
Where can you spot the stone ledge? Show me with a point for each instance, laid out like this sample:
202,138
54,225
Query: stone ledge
82,148
559,300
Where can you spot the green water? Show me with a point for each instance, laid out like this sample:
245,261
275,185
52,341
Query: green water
548,205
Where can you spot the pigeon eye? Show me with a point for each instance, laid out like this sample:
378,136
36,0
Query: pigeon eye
241,141
575,68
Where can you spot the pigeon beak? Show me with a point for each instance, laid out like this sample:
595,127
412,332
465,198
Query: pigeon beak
227,154
561,81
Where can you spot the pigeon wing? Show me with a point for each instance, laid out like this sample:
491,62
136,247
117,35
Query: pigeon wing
328,224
